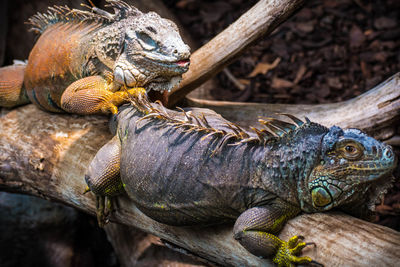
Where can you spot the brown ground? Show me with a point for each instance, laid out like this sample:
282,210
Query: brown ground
329,51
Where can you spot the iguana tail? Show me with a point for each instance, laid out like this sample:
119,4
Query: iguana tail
12,91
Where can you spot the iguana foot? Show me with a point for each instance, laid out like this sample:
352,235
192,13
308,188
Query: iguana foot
286,255
96,94
103,178
104,208
120,97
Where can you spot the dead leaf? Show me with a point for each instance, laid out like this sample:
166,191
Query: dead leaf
263,68
305,27
396,206
383,209
281,83
357,37
384,23
334,82
323,92
300,73
182,4
365,70
244,81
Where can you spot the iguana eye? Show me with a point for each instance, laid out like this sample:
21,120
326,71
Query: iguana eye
146,41
351,151
149,28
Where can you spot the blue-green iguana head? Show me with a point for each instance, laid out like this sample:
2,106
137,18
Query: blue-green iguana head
354,169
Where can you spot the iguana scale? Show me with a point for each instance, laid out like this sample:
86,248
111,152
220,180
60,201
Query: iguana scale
84,60
197,168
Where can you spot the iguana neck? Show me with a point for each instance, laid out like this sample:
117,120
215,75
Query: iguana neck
79,45
284,165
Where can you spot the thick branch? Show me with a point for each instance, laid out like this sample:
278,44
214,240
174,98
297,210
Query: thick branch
207,61
374,111
47,155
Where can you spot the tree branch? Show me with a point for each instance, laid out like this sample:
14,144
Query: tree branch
374,111
47,155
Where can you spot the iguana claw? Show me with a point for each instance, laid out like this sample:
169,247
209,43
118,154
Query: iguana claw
286,255
120,97
104,208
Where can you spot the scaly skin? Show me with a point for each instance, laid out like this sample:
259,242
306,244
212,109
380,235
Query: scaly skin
201,169
84,61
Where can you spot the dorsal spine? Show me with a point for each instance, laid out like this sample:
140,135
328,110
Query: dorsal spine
274,130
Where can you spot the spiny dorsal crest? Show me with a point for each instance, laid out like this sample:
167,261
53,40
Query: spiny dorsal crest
273,131
56,14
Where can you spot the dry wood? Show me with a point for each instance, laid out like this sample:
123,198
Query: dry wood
47,155
207,61
136,248
374,111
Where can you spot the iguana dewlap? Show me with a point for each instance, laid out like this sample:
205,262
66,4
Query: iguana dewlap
84,61
196,168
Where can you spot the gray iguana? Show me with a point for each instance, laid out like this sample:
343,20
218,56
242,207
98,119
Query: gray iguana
84,60
195,168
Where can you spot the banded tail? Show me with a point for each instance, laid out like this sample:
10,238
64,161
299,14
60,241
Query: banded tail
12,91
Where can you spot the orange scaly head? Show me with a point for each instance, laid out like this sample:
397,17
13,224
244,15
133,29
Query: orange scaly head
142,49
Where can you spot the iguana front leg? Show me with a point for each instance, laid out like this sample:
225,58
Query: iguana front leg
256,230
103,177
95,94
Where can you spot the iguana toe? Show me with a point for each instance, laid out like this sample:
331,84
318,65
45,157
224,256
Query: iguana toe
104,208
120,97
100,211
87,189
286,255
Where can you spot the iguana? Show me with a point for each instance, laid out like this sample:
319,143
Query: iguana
198,168
83,59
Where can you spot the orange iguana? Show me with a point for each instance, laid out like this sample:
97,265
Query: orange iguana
84,60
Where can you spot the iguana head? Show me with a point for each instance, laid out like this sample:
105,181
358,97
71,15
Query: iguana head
143,49
354,168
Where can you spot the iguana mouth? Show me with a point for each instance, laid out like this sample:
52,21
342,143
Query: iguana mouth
165,76
183,63
172,67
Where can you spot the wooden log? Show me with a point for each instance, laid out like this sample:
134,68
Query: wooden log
374,111
136,248
207,61
47,155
